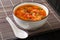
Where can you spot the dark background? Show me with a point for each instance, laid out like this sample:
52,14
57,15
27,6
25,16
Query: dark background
55,4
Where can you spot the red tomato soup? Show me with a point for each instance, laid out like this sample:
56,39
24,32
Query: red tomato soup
30,12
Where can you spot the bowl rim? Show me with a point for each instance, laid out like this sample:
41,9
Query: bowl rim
32,4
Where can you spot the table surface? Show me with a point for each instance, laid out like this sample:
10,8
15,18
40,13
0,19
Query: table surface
6,32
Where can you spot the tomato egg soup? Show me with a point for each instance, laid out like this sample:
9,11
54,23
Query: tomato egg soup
30,12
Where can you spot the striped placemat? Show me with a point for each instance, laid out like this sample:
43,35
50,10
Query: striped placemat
6,32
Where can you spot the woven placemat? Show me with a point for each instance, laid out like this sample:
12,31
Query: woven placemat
6,32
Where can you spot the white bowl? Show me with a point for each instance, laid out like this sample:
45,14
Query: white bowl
29,25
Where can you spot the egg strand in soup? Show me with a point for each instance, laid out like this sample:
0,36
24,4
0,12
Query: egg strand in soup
30,12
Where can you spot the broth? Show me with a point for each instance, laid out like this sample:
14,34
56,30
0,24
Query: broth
30,12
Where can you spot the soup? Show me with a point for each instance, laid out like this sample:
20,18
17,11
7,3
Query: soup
30,12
